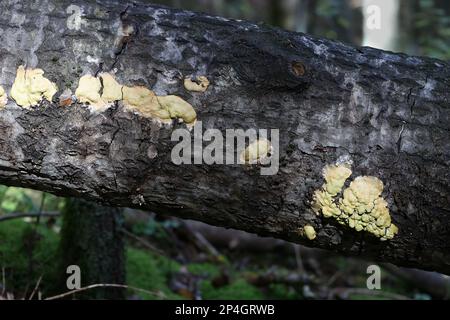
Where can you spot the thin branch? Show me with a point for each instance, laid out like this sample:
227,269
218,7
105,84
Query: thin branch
202,241
18,215
106,285
435,284
344,293
35,288
333,278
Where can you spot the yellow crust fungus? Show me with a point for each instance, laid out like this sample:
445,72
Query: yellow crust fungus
3,98
138,97
361,206
144,101
256,150
112,90
199,84
30,86
101,91
88,91
178,108
335,177
309,232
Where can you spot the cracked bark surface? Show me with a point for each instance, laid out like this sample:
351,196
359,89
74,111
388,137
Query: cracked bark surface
389,112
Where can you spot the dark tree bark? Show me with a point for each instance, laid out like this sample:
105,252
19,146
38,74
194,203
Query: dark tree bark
388,112
92,240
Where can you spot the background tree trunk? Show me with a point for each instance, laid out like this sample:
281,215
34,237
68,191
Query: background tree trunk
91,239
388,112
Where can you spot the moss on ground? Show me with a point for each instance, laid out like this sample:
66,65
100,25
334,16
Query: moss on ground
26,256
149,272
238,289
207,270
27,253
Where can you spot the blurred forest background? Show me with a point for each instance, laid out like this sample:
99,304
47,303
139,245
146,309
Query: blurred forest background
159,257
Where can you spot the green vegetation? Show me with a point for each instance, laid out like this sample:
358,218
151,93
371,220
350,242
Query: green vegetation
148,271
27,252
432,25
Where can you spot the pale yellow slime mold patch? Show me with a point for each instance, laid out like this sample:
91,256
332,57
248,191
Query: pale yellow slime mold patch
361,207
256,150
112,90
144,101
30,87
178,108
200,84
309,232
88,91
137,98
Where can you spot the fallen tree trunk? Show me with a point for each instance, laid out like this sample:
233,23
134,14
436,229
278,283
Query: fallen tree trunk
388,113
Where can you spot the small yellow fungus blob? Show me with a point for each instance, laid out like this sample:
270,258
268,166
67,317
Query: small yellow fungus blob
30,87
99,92
361,206
256,150
309,232
178,108
3,98
200,84
88,91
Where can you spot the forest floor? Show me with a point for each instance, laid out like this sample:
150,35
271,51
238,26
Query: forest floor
172,259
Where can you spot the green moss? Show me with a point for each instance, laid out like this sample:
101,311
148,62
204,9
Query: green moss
26,255
204,269
145,270
281,291
237,290
18,240
149,272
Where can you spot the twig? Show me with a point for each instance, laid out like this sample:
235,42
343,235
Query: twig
205,243
202,241
346,292
17,215
273,277
107,285
436,284
35,288
147,244
333,278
